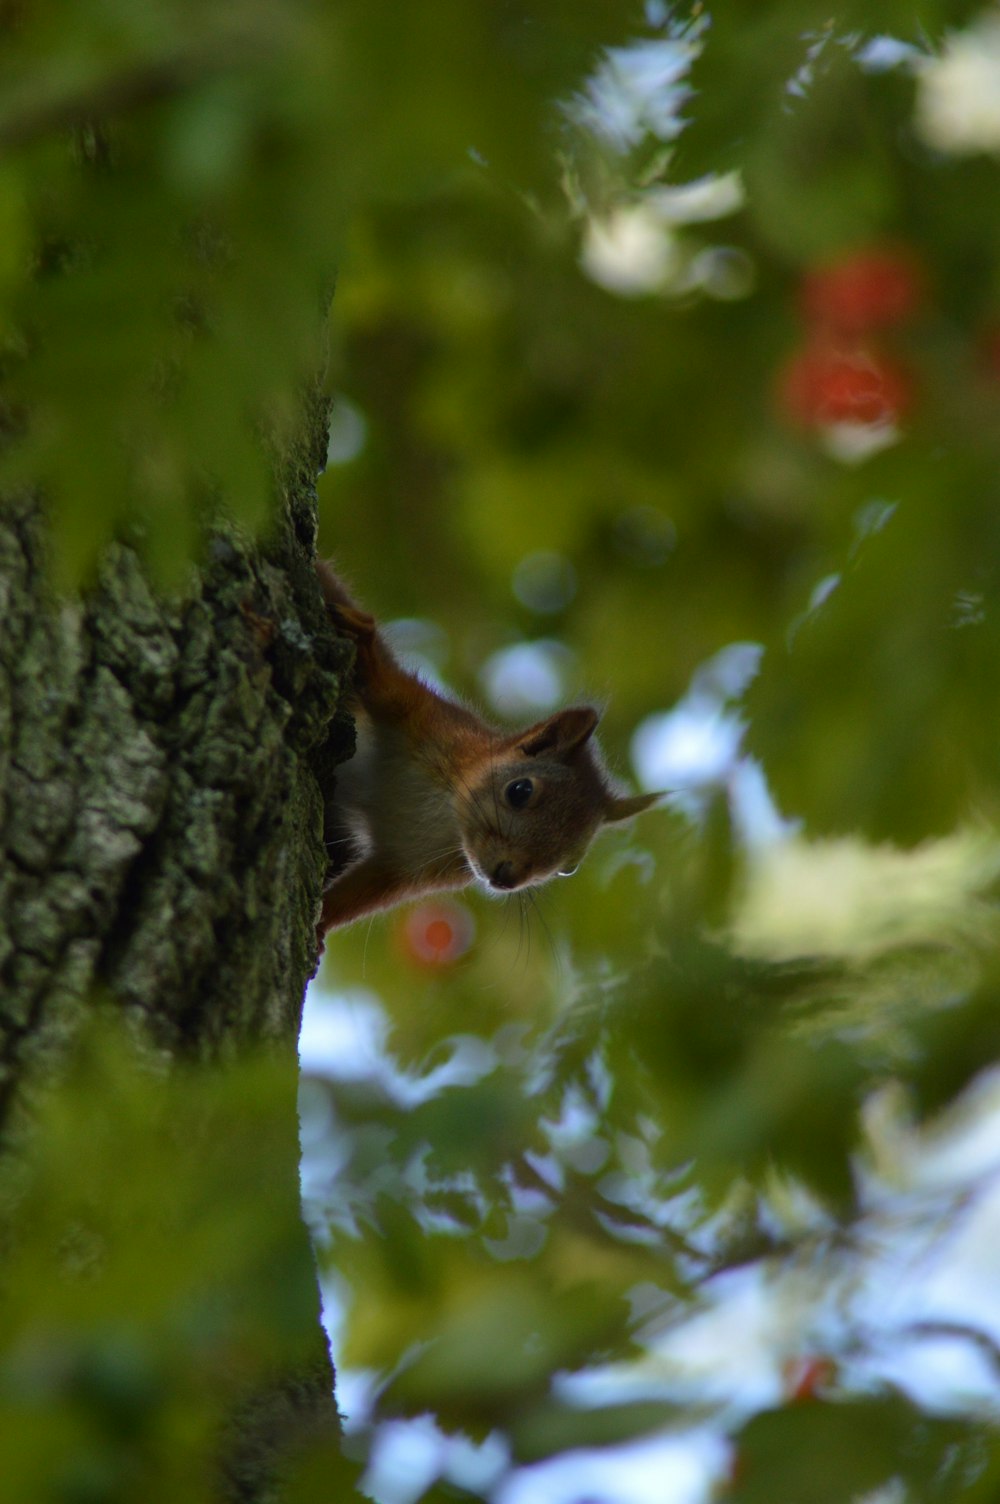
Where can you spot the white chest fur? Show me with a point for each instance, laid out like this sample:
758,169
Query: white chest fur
400,807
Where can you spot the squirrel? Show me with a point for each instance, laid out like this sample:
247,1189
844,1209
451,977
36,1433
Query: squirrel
436,798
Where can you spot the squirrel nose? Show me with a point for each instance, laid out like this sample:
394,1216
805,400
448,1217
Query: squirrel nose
502,875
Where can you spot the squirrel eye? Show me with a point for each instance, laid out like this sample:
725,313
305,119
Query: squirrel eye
519,792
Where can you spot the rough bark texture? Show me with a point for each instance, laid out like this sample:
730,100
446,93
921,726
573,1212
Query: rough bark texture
161,821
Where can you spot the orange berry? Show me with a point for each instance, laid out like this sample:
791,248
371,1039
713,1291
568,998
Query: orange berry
823,385
869,290
437,933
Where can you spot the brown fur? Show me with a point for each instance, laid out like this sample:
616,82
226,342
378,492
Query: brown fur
423,805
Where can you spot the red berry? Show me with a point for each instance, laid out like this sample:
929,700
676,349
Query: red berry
869,290
437,933
439,936
806,1377
824,385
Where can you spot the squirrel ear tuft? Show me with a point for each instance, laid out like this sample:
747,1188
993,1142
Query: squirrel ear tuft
624,809
561,735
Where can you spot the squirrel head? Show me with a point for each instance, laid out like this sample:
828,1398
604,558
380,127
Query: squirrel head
530,810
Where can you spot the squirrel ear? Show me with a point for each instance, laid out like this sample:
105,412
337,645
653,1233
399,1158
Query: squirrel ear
624,809
562,734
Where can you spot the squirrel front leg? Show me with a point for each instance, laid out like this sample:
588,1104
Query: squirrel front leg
363,889
371,885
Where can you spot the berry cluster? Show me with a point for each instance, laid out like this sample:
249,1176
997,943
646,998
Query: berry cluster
841,374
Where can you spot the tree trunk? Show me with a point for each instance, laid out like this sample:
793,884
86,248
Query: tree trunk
161,854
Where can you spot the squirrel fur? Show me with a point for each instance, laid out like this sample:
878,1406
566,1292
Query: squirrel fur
436,798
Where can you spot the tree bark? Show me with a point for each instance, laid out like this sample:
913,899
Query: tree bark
161,852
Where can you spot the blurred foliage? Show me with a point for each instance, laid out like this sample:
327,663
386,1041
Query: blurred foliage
704,1058
176,179
156,1277
569,410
